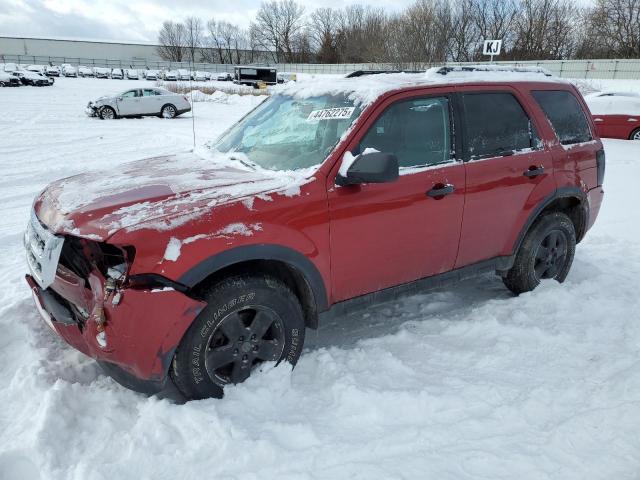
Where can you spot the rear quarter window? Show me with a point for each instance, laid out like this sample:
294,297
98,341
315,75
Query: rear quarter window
565,114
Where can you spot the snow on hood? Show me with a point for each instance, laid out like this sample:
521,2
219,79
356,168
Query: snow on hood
158,193
366,89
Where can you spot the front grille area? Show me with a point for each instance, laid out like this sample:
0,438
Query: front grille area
43,251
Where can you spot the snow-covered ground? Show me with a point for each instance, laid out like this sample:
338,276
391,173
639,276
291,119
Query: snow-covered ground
464,383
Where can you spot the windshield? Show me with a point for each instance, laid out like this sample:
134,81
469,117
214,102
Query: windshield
286,133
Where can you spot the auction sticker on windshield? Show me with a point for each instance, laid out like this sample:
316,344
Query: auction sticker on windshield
339,113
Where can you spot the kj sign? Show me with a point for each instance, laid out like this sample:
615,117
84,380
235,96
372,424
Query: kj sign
492,47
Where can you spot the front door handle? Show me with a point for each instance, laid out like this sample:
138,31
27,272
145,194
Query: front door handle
440,190
534,171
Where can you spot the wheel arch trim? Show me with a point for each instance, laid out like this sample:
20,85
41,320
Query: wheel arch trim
562,192
247,253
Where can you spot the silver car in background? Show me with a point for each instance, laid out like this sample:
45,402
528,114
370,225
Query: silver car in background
139,102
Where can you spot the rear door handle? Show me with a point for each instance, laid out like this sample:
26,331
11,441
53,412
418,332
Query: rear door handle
440,190
534,172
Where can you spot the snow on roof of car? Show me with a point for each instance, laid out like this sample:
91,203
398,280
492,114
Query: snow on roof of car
366,89
613,104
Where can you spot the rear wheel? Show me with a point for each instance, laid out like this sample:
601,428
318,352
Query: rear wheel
107,113
546,253
248,320
168,111
635,135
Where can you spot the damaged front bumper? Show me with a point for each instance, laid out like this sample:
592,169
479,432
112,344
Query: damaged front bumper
138,336
132,328
91,110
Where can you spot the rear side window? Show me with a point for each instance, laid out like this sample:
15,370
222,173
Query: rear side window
565,114
496,125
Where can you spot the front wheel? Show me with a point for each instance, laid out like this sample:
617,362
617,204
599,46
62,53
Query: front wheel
248,320
168,111
546,253
107,113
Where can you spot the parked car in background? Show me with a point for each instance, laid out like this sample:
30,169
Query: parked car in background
616,114
117,73
37,68
84,71
101,72
184,74
27,77
151,74
10,67
139,102
208,75
224,77
69,70
9,80
53,71
34,79
171,76
195,271
132,74
200,76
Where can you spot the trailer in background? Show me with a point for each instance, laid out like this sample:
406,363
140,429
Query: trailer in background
254,76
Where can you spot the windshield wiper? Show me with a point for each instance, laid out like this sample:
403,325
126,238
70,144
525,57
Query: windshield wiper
251,165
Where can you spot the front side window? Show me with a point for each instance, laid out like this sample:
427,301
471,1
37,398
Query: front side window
288,133
129,94
565,114
496,125
416,131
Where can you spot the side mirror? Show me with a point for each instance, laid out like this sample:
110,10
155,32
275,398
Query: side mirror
120,99
375,167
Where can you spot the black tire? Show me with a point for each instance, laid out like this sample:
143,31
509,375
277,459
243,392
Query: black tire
228,338
635,135
107,113
546,253
169,111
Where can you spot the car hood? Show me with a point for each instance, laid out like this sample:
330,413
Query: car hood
159,193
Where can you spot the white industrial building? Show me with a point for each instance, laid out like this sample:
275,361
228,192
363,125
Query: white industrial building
69,48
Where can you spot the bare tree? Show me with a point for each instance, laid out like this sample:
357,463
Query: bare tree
421,34
494,20
193,36
323,28
615,28
171,39
464,34
277,25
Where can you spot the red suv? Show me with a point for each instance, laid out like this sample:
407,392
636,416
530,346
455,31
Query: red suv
328,196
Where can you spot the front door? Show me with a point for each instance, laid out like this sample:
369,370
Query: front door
392,233
129,103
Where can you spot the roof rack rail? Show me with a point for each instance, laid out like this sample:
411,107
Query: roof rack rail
360,73
493,68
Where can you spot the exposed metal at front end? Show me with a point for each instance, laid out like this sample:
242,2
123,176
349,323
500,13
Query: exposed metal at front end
43,251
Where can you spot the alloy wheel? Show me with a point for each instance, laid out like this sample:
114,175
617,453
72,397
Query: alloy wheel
168,112
551,255
242,340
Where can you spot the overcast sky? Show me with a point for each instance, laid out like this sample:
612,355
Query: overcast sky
133,20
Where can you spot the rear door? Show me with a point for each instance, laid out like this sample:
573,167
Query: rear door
508,171
151,101
392,233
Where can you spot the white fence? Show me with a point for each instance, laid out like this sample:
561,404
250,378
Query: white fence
598,69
